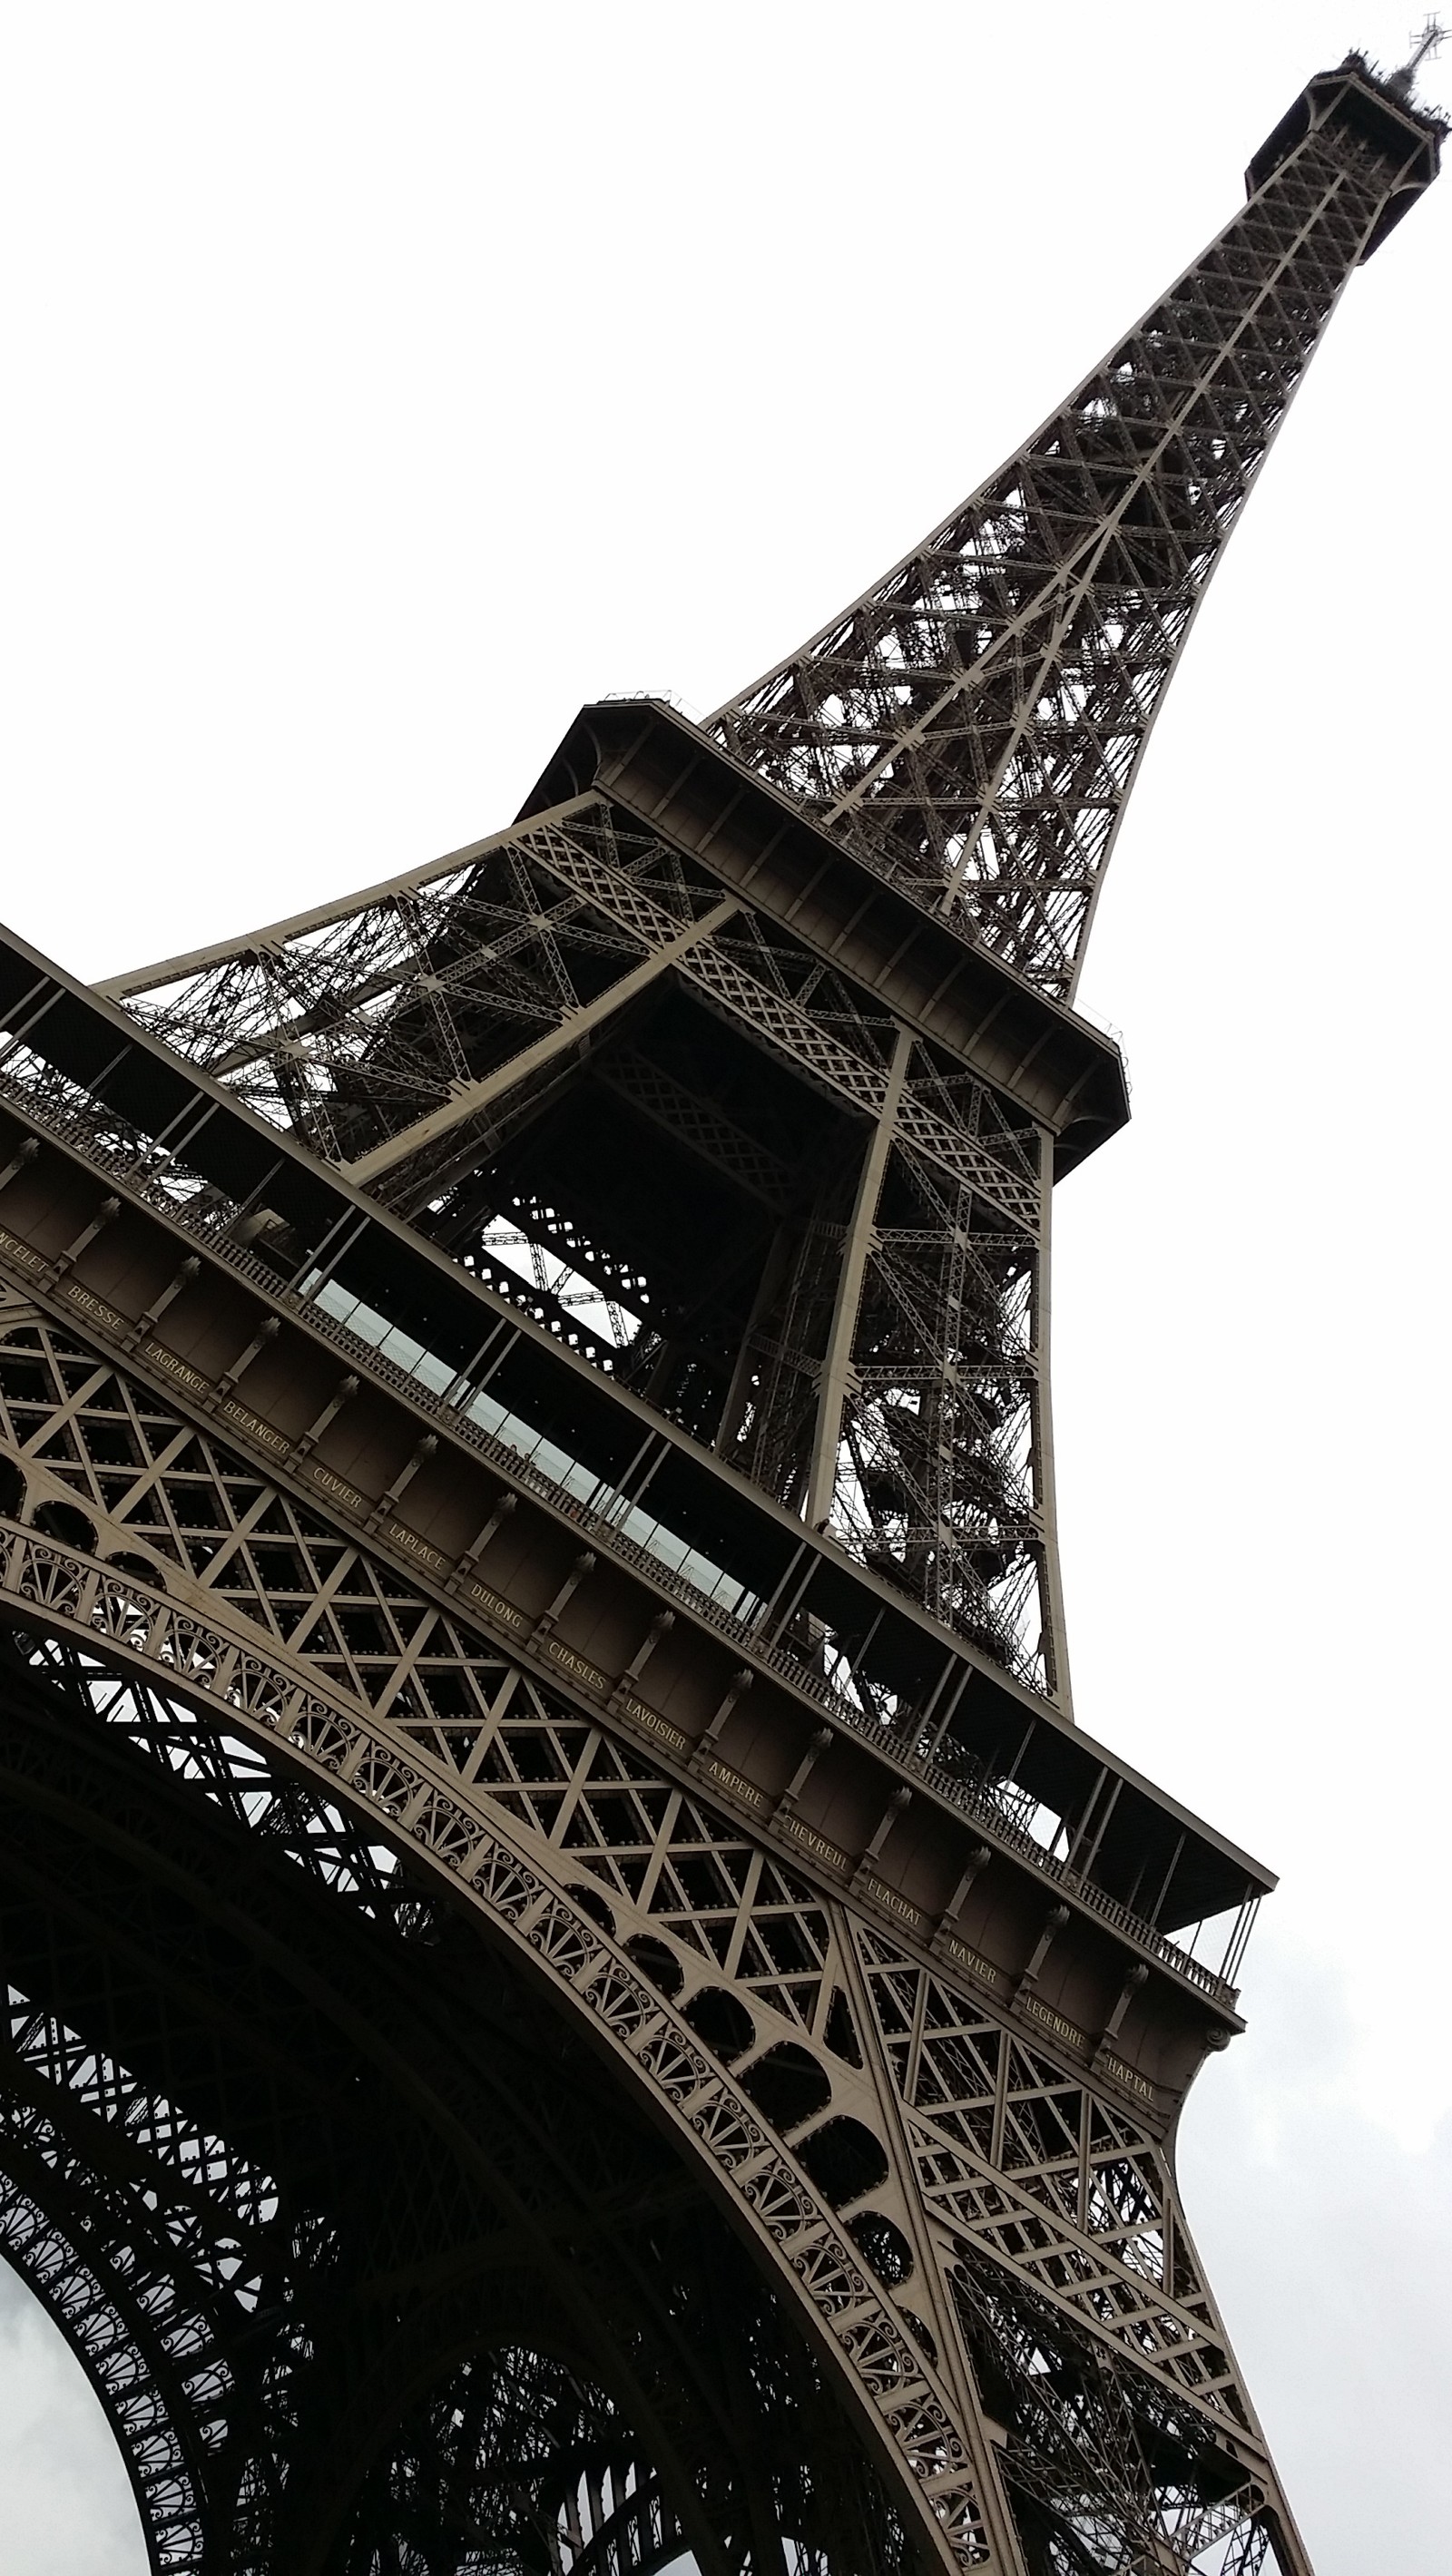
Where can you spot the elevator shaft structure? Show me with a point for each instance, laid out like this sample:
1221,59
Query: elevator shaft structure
576,1992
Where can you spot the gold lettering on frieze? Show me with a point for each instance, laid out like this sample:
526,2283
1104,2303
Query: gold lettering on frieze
256,1429
503,1611
96,1307
967,1958
576,1666
817,1844
882,1894
654,1724
1126,2076
735,1786
341,1492
412,1545
23,1254
1054,2021
170,1366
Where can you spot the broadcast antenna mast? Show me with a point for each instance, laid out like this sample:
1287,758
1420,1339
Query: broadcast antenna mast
1430,42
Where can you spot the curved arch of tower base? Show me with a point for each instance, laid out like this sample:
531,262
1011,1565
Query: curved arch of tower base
477,2193
372,2265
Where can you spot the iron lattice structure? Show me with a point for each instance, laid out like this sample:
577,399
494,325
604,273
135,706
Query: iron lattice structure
575,1993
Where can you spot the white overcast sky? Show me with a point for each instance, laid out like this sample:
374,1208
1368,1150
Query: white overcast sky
382,382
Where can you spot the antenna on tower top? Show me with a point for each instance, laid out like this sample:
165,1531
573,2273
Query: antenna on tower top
1424,46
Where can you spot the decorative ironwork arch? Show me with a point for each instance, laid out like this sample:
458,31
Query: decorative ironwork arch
111,2343
357,1762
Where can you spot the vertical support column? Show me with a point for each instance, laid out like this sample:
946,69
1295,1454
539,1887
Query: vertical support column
768,1288
932,2292
835,1382
1051,1588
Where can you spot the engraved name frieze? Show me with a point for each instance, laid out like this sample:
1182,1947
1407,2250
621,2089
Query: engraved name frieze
503,1611
338,1488
888,1897
158,1356
275,1442
88,1303
817,1844
745,1792
965,1957
22,1254
1126,2076
654,1724
418,1548
576,1666
1057,2022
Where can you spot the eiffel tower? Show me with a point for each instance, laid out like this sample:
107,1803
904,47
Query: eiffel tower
576,1997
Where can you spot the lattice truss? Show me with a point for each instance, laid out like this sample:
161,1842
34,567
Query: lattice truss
1068,2254
204,2296
840,1286
103,1464
135,2300
169,2260
518,978
1056,2241
356,1024
512,2462
939,1455
972,724
1102,2456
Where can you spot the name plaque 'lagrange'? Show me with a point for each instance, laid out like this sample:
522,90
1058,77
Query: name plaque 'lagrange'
156,1355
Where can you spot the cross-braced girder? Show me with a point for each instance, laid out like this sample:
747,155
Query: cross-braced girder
990,2147
1026,2194
467,1039
491,2083
715,1294
974,722
359,2352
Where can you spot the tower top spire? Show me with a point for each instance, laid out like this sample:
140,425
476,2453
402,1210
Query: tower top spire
1430,42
